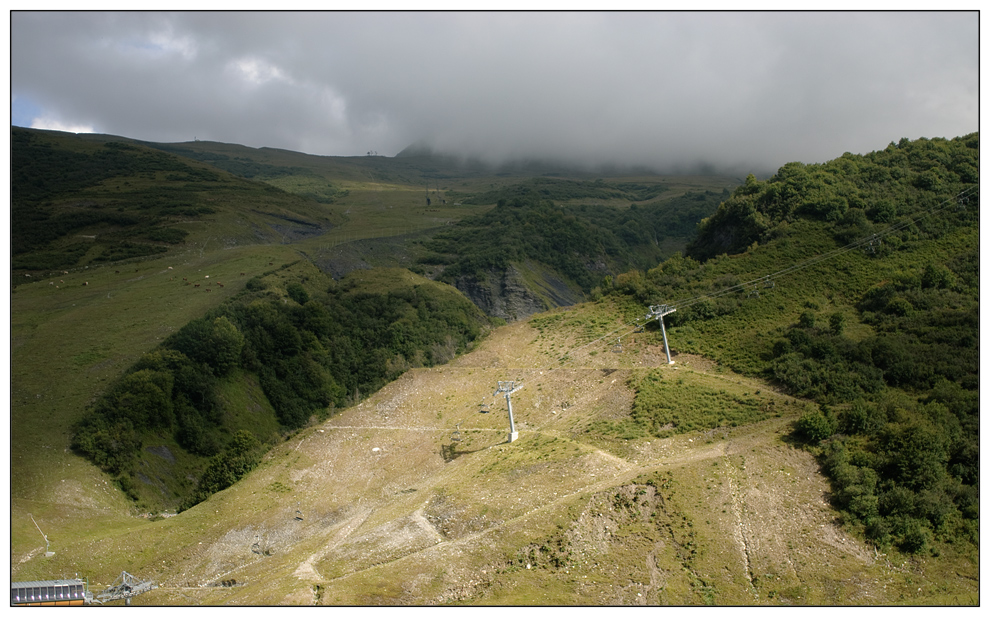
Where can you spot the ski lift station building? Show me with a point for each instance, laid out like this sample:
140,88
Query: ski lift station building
70,592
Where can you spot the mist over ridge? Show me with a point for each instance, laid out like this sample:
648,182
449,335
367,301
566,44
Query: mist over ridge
673,92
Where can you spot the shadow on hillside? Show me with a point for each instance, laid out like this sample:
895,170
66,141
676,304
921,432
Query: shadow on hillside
450,452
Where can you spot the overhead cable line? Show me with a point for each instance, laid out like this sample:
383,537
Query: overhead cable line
768,280
659,311
830,254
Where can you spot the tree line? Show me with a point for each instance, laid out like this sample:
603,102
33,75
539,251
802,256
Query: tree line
311,351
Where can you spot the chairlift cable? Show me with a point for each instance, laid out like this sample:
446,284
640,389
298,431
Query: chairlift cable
830,254
769,278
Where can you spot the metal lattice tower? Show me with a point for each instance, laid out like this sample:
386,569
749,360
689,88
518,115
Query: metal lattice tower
508,387
658,311
124,588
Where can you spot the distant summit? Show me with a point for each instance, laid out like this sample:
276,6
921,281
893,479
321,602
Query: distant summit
419,148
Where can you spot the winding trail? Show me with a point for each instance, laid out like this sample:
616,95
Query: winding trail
627,472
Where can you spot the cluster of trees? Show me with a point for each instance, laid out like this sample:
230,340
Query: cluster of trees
904,467
309,355
584,243
905,470
924,333
43,168
172,390
852,192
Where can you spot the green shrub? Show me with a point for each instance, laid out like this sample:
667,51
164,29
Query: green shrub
815,427
298,293
915,538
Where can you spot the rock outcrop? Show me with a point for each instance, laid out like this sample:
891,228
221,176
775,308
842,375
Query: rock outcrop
511,295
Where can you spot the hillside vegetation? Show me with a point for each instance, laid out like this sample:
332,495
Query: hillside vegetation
78,202
266,418
310,344
884,334
512,262
584,243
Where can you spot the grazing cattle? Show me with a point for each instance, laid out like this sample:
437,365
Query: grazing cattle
196,285
242,274
170,267
51,282
61,281
65,272
207,276
85,283
208,289
184,279
219,284
116,271
28,275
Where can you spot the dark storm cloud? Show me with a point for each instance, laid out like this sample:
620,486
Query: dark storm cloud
754,90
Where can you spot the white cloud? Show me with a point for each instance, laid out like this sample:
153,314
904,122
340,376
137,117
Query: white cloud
51,124
258,72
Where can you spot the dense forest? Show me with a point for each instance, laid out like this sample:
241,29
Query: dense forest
585,242
893,364
856,194
313,346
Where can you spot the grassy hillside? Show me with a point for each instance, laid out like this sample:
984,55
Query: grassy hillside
869,307
633,481
392,207
77,202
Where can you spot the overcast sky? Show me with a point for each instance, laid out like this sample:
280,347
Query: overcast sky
746,90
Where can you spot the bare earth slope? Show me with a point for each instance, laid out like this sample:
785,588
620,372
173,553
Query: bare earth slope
380,506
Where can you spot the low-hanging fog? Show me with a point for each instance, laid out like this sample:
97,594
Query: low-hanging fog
744,91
